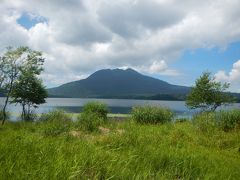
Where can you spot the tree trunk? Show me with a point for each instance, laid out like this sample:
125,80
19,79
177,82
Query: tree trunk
28,112
6,102
4,110
23,112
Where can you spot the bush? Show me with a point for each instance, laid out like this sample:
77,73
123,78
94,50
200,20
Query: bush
93,115
97,108
89,122
152,114
228,120
55,123
56,115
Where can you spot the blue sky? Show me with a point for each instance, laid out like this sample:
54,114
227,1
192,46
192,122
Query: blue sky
27,20
193,63
168,40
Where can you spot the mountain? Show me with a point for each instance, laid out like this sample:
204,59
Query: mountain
118,83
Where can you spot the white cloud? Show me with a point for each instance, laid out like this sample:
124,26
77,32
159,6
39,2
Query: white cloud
158,68
83,36
233,77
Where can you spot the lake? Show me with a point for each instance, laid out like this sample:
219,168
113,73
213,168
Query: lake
122,106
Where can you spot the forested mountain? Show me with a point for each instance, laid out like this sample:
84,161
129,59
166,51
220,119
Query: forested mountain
118,83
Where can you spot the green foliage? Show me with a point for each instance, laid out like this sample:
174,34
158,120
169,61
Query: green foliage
30,116
168,151
97,108
89,122
1,115
205,121
54,123
181,120
55,115
151,114
29,92
19,68
228,120
93,115
224,120
207,94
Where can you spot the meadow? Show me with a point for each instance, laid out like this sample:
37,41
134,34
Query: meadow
94,147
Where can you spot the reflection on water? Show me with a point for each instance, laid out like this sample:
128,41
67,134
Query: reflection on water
122,106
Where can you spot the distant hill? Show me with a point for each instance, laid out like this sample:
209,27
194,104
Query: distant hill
118,83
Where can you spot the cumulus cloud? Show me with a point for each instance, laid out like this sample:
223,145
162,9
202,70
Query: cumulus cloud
233,77
79,37
133,19
158,67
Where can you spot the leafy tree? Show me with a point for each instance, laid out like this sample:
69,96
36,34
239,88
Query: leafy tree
207,94
29,92
13,62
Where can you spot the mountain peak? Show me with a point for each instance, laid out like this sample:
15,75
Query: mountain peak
117,83
110,72
131,70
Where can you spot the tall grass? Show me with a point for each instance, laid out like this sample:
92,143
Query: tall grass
168,151
54,123
97,108
146,148
228,120
93,115
224,120
151,114
205,121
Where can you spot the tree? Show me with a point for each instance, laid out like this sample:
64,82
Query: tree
29,92
12,63
208,94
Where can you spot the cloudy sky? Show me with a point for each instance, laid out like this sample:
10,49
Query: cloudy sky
168,39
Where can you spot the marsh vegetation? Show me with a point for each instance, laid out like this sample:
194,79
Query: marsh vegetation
93,147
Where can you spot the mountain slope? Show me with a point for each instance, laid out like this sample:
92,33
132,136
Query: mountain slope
117,83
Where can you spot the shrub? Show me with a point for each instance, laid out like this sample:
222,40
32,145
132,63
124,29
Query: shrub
93,115
55,115
54,123
89,122
151,114
228,120
97,108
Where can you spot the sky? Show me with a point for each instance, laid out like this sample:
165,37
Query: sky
170,40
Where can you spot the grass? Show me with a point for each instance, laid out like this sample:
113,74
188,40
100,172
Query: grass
127,150
94,114
224,120
152,114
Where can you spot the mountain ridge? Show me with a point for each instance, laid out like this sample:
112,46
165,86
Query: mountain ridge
118,83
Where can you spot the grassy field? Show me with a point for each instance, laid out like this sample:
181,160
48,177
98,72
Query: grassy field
127,150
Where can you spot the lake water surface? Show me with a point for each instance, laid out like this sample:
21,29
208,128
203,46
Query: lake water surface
122,106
